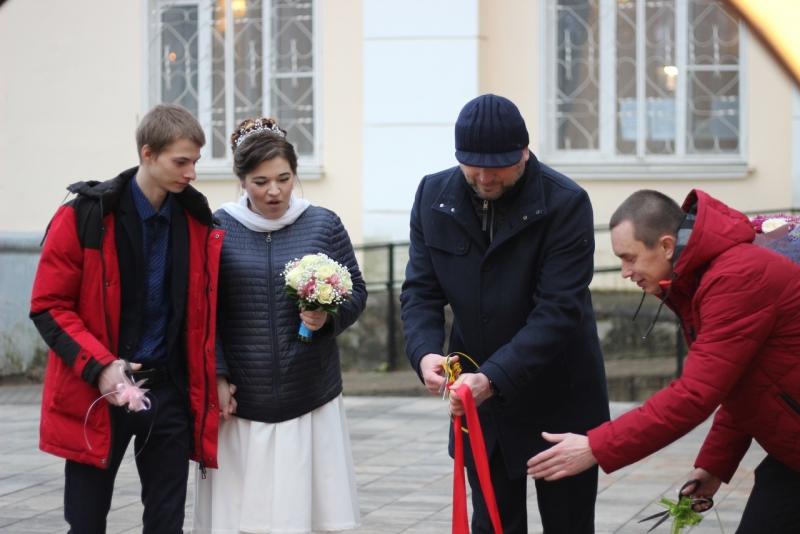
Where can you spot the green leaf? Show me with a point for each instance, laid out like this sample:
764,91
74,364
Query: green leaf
681,512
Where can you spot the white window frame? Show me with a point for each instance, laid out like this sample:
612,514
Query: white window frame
604,163
309,167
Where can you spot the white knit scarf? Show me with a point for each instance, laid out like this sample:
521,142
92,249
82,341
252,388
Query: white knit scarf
258,223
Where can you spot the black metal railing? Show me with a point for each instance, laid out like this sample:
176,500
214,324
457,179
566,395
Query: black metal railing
388,255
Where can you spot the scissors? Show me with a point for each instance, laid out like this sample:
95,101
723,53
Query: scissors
451,373
699,504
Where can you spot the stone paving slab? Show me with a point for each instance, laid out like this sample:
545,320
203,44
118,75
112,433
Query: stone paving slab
403,471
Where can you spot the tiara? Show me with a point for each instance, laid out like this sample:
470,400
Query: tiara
258,127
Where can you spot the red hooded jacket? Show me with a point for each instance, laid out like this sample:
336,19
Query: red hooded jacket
739,305
76,307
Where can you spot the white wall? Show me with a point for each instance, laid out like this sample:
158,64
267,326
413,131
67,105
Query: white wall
69,101
420,68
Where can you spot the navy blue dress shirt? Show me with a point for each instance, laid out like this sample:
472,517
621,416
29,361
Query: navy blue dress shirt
156,253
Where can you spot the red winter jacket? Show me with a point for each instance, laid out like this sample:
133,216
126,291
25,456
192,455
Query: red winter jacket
76,307
739,305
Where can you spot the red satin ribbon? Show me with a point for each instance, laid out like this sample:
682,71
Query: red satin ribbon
460,519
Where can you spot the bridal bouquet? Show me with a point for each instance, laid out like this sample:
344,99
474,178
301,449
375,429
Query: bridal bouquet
317,283
780,233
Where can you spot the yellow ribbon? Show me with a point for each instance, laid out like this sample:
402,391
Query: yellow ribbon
453,370
451,373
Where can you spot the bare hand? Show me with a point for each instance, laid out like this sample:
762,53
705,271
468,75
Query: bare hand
431,367
314,320
709,484
112,375
571,455
227,403
479,386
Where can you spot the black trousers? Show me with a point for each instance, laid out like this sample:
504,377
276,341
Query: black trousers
774,503
565,506
162,446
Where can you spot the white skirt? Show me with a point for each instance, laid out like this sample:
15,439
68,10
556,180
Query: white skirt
289,477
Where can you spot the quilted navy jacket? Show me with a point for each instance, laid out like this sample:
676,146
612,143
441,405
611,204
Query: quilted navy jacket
277,376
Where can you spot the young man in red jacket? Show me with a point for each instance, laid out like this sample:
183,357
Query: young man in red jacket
128,273
740,312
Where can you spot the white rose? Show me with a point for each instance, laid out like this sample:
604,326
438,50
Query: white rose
325,271
308,260
325,293
293,278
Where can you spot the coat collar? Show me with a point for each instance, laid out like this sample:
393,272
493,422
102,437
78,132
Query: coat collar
110,192
528,206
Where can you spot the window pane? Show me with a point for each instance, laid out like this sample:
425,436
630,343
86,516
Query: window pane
713,91
713,34
219,128
248,59
248,64
660,76
179,56
293,102
292,65
292,36
626,77
713,112
577,68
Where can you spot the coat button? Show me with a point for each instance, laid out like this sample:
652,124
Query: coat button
484,319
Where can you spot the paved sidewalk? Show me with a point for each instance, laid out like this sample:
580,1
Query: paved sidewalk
404,474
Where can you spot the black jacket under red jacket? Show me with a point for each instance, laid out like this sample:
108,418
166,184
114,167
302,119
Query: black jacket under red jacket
739,305
76,305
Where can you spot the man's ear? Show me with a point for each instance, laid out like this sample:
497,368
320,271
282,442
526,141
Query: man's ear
667,244
146,154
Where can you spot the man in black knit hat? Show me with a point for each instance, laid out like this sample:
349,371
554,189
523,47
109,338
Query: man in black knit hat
508,243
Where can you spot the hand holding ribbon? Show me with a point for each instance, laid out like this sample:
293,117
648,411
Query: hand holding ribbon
479,386
116,386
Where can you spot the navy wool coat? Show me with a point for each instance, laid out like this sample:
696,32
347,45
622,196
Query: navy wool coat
521,304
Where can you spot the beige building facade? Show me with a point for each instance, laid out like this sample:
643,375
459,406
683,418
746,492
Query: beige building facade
370,90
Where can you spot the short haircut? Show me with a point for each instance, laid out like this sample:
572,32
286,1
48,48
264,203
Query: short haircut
165,124
653,214
257,140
